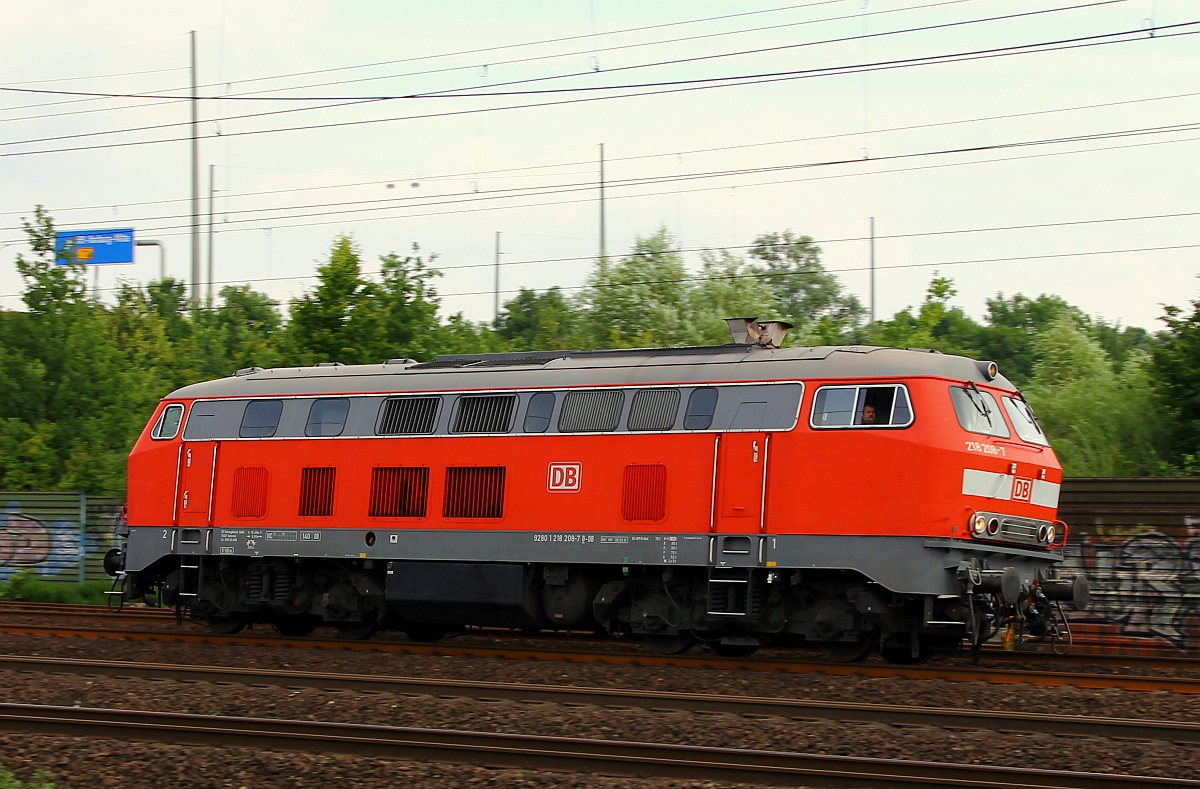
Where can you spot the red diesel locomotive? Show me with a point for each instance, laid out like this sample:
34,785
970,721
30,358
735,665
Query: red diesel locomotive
845,497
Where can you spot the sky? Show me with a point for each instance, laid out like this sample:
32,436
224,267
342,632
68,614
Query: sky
1070,170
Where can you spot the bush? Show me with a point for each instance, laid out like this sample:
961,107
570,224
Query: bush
26,587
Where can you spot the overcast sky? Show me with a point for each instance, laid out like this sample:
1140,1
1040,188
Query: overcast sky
716,165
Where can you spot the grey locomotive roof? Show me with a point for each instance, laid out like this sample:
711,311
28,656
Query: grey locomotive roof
555,369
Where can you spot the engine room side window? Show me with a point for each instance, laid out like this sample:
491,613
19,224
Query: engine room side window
168,424
1025,421
654,409
537,413
862,406
327,417
700,409
261,418
484,413
978,412
408,416
597,411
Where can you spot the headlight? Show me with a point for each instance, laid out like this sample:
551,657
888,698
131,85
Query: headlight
1042,533
993,527
1050,534
978,524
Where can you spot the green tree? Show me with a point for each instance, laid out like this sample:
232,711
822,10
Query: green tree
727,287
808,295
349,319
1100,422
935,325
1176,366
532,321
639,300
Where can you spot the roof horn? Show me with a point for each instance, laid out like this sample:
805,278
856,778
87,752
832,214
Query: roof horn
748,331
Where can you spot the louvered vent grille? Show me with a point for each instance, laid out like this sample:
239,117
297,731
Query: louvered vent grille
644,493
316,491
486,414
474,492
654,409
250,486
399,492
591,412
404,415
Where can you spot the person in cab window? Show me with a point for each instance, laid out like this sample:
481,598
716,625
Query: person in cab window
868,415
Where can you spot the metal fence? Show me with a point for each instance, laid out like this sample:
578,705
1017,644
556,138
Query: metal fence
59,536
1138,541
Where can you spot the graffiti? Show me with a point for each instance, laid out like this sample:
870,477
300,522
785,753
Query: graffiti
27,542
1146,586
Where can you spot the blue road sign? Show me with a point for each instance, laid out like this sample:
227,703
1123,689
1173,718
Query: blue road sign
94,247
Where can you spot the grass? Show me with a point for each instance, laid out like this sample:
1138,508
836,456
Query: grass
28,588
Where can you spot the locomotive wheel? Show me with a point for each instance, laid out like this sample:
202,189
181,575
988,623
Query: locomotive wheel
734,650
226,625
848,651
897,649
676,644
296,625
425,633
365,628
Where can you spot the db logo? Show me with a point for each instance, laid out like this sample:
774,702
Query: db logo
564,477
1022,488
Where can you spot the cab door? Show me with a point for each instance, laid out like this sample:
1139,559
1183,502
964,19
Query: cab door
197,473
741,480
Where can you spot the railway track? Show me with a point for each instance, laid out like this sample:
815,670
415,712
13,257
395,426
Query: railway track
165,616
945,671
804,709
595,757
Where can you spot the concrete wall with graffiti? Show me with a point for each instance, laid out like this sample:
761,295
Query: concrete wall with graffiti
41,532
1138,542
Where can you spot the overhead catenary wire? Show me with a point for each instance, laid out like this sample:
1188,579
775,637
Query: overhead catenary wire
724,277
472,90
342,102
678,86
250,217
613,48
453,175
560,202
505,47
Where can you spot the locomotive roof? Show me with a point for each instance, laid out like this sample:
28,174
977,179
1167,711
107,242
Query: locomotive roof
555,369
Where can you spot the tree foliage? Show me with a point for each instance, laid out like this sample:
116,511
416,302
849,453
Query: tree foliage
78,377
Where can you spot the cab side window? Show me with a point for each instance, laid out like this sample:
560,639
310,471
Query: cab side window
168,424
978,412
862,406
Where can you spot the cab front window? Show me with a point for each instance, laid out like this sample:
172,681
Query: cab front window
1025,421
978,412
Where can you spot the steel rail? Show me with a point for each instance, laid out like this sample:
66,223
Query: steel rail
596,757
166,615
804,709
953,673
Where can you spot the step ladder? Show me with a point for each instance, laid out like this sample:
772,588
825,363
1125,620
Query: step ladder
736,591
190,576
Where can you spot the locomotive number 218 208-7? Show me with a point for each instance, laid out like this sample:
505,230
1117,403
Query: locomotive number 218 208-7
987,449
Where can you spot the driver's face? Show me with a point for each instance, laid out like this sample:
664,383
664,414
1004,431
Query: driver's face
868,416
